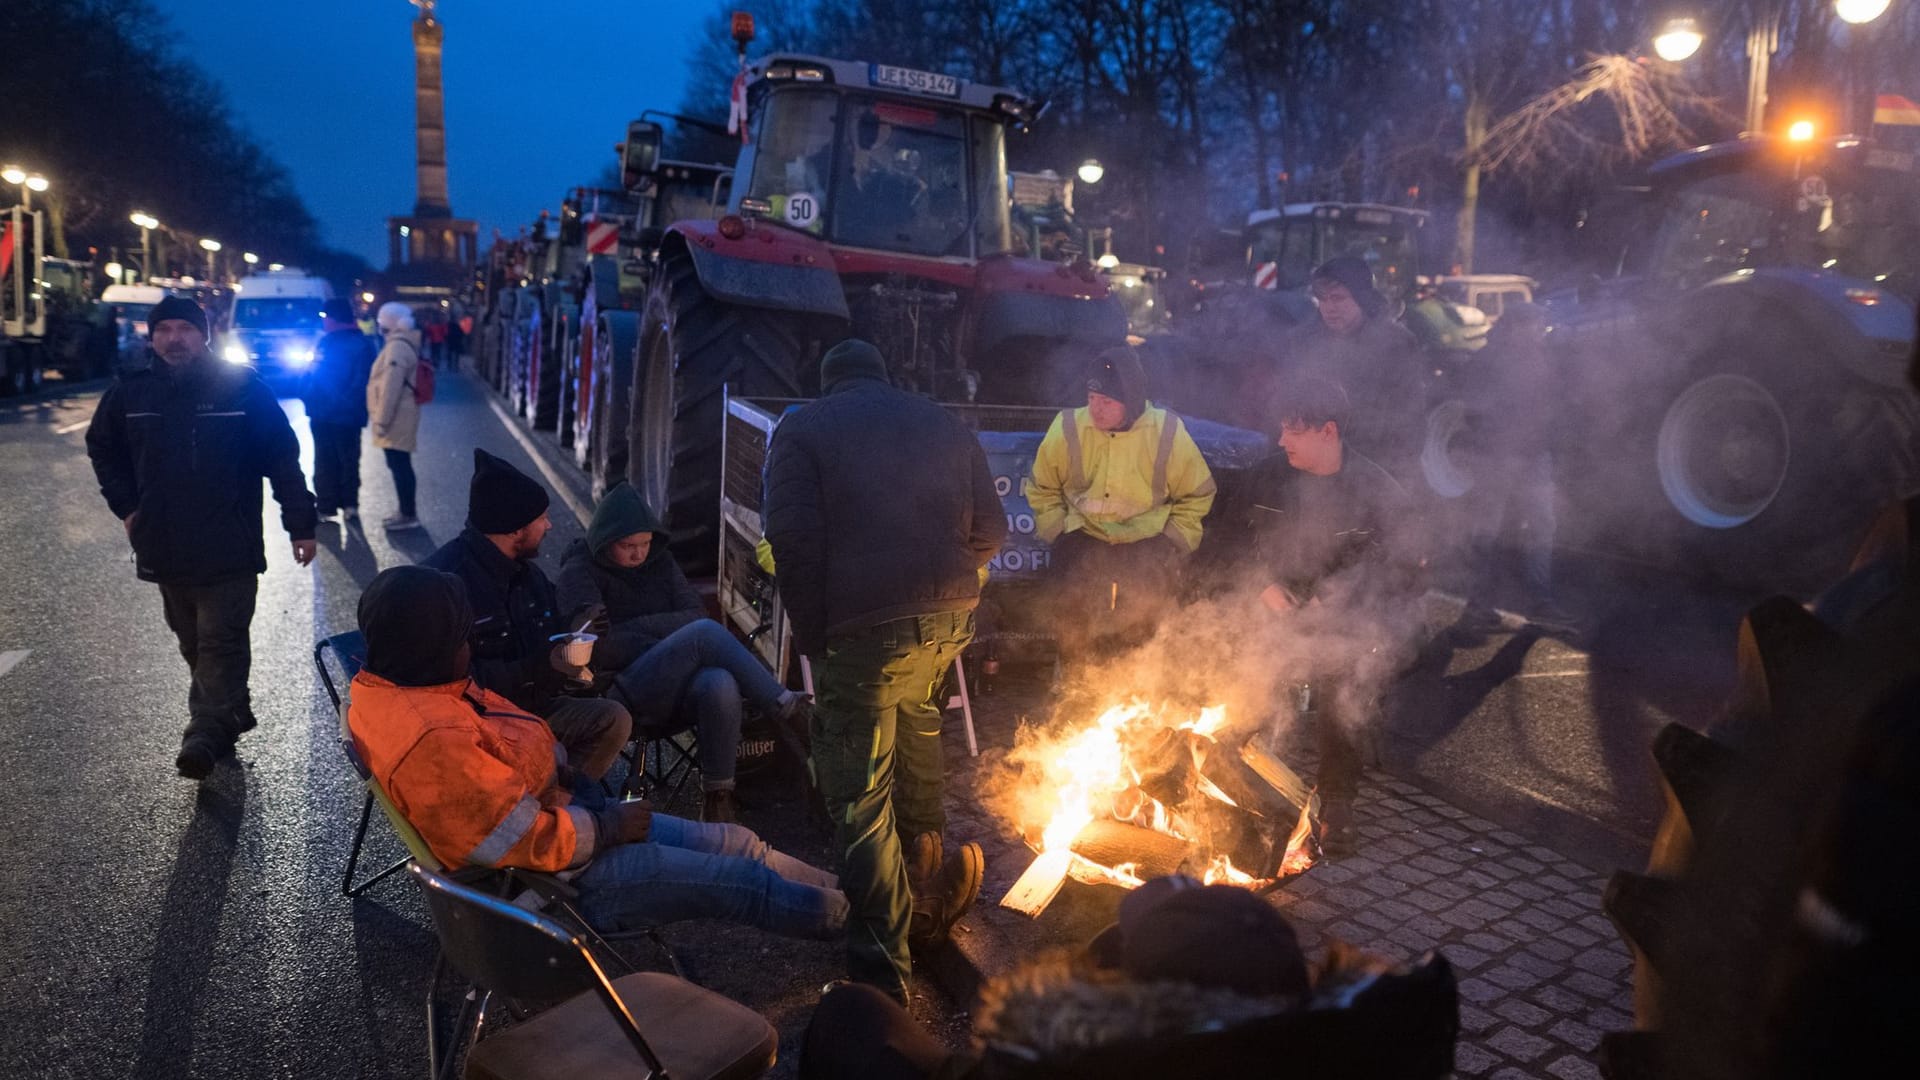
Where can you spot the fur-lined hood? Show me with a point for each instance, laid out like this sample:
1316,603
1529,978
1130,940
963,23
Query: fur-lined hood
1063,1017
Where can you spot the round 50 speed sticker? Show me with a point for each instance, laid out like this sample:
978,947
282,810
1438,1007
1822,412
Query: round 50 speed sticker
803,209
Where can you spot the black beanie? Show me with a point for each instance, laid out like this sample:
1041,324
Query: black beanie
1174,929
415,619
502,499
1353,272
851,359
1117,373
179,307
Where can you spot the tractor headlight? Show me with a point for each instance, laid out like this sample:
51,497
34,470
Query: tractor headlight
235,354
299,357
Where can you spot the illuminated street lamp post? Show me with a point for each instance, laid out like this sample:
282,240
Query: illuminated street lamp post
27,182
1680,39
1763,40
212,248
1091,171
147,223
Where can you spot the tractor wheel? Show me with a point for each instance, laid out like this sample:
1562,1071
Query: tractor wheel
1446,468
20,371
1776,465
692,348
567,393
604,436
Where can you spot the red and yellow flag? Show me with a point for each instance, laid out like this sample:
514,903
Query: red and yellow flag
1896,111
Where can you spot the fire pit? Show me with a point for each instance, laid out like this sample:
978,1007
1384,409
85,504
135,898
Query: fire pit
1146,791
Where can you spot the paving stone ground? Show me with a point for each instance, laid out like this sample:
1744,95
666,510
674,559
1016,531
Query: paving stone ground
1542,972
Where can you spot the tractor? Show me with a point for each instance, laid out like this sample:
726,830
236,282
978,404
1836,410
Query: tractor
870,201
46,319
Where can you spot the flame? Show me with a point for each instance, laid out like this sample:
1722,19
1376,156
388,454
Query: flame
1221,871
1208,723
1087,771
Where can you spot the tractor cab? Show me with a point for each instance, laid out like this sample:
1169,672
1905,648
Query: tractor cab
879,157
1283,246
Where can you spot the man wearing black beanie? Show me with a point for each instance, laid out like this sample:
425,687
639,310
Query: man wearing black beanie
1357,343
516,616
180,448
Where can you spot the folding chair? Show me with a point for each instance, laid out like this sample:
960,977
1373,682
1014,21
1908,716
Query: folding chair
349,652
659,761
506,949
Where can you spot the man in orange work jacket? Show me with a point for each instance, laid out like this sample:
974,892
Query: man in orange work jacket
485,784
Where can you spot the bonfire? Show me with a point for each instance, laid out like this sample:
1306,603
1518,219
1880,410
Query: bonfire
1145,791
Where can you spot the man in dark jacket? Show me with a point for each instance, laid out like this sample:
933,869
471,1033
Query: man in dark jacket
676,668
335,393
1357,344
881,513
179,449
516,618
1342,561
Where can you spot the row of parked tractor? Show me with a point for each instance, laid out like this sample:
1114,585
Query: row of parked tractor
1736,394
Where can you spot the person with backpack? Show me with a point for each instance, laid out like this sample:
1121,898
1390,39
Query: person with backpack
394,395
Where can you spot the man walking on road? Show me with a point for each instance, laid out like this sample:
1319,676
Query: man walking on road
335,393
179,449
517,615
881,513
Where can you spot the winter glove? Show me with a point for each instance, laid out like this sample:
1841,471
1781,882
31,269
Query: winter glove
625,822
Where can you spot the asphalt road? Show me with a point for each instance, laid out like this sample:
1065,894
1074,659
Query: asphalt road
159,928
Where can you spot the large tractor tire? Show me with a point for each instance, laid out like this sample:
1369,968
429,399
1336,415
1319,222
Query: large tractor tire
1776,462
693,347
601,447
524,352
1771,929
565,421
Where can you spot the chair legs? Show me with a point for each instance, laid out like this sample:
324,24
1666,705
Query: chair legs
347,885
443,1061
649,770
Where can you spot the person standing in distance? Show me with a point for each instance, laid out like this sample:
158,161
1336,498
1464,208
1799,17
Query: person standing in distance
180,448
335,393
881,513
391,407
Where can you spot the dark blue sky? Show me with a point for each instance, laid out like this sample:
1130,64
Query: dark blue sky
538,91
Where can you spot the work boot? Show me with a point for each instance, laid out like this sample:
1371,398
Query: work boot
719,807
200,751
1336,825
400,523
924,856
948,898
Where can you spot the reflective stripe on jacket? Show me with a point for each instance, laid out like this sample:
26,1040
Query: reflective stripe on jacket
475,776
1120,486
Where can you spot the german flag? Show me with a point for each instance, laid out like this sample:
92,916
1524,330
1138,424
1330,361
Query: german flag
1895,111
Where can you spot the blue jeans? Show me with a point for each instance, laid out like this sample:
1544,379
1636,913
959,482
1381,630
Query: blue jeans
694,870
695,678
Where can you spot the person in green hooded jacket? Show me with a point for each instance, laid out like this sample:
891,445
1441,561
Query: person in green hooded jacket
676,668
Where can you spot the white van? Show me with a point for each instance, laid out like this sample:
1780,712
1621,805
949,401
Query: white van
131,304
276,320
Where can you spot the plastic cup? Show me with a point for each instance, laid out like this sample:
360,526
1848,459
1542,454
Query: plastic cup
578,650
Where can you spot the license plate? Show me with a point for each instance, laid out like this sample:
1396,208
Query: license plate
919,82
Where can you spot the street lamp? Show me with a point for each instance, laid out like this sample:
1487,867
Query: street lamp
1679,39
212,247
249,258
1091,171
147,223
27,182
1859,11
114,270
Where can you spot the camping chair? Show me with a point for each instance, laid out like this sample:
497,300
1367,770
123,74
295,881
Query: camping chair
504,948
961,699
658,760
349,652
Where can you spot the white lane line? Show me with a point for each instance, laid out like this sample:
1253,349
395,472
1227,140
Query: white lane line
1552,674
68,429
11,658
540,462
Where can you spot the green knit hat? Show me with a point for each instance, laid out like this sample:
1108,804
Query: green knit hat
621,513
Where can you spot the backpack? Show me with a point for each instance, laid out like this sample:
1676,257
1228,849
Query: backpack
422,382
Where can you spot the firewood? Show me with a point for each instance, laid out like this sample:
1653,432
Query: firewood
1039,884
1111,843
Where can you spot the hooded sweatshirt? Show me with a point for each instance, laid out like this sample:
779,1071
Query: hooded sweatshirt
642,604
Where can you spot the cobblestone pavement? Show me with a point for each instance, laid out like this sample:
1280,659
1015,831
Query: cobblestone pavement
1542,973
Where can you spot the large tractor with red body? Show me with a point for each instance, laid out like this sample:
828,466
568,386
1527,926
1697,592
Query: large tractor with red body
869,201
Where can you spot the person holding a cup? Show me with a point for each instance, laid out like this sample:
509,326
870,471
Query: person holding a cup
521,648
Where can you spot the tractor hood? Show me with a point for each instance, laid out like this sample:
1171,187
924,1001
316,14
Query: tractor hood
1869,326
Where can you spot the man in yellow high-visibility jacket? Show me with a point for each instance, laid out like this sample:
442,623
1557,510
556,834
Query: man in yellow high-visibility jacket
1120,491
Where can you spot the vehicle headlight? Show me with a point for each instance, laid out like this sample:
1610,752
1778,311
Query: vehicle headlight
299,357
235,354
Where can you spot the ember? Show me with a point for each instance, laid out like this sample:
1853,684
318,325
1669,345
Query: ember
1137,794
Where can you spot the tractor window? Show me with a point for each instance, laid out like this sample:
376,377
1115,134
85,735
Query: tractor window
991,231
1714,227
902,180
1868,227
1296,255
1388,249
1263,243
794,157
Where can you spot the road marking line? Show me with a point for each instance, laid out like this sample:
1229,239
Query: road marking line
540,462
1552,674
11,658
68,429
